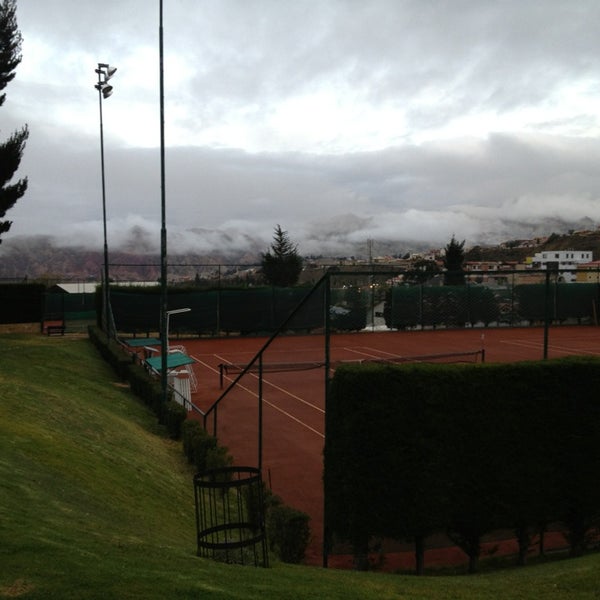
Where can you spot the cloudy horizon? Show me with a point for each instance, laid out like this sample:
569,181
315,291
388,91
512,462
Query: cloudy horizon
342,121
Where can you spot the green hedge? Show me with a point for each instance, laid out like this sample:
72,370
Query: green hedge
288,529
111,352
147,388
415,449
202,449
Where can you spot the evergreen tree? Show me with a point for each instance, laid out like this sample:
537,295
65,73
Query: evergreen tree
282,265
11,151
453,262
422,271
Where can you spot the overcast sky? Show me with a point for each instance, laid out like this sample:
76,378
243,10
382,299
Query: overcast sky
341,120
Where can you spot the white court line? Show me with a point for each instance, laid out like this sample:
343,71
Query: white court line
252,393
283,390
376,350
523,343
539,346
205,364
369,355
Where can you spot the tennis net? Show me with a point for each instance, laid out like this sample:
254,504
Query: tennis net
470,356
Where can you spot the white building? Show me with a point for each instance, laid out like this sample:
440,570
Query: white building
562,261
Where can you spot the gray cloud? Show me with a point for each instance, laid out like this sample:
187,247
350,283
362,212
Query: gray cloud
342,120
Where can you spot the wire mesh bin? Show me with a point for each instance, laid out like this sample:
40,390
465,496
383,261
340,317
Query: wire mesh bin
230,516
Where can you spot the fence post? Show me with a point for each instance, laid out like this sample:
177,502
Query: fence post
327,301
546,313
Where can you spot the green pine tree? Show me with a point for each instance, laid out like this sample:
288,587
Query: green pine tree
11,151
453,262
282,265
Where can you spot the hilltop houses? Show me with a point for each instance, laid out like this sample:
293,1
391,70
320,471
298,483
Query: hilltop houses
564,261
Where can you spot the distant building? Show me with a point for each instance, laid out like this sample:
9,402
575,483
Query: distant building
81,287
482,265
89,287
589,272
562,261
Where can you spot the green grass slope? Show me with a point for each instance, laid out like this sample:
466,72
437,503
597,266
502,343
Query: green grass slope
94,503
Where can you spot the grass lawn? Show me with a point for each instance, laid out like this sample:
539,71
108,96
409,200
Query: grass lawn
96,503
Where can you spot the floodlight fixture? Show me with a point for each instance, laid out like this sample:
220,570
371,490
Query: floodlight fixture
177,311
106,70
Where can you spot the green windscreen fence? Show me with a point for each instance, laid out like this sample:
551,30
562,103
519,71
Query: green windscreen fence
492,304
21,303
76,311
247,311
135,312
367,300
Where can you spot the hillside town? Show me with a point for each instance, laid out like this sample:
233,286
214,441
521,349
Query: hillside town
573,263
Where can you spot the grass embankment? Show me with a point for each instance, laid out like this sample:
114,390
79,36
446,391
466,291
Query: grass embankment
94,503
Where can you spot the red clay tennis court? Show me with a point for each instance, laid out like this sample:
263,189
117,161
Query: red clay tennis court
293,395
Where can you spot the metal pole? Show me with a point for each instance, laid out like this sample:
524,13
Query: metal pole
260,411
105,319
163,230
546,313
327,301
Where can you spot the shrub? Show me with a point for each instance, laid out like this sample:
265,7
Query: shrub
145,387
189,430
201,448
218,457
175,415
111,352
288,532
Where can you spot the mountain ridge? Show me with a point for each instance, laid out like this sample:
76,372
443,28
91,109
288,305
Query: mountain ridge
41,257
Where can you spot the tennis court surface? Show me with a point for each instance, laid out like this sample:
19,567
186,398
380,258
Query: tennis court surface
293,385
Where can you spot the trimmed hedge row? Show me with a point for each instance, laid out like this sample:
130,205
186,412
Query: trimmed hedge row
416,449
202,449
170,414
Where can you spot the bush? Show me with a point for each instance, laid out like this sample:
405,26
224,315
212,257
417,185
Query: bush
201,448
145,387
111,352
288,532
189,429
218,457
174,415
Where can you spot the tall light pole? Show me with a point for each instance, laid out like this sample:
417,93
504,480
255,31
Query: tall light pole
163,230
105,72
